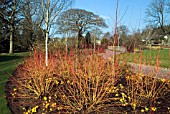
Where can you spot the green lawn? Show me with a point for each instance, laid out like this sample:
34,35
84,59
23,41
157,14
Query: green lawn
149,57
8,63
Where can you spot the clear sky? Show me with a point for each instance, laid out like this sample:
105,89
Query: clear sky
133,18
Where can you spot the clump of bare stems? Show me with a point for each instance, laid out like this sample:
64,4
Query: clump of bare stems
83,82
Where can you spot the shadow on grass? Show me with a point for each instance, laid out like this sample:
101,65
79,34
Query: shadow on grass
15,56
5,58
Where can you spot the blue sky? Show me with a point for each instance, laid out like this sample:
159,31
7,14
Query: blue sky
106,8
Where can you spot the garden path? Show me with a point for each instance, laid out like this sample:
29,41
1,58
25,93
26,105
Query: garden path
158,72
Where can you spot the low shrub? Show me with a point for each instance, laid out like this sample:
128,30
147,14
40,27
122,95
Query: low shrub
78,82
83,82
29,84
144,94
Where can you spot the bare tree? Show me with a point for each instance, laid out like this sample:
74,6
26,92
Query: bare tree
9,10
32,22
156,13
79,21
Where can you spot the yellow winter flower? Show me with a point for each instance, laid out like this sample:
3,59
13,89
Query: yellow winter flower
123,94
121,100
72,83
117,95
163,80
15,89
56,82
68,81
62,82
46,106
153,108
55,96
127,77
121,86
34,110
45,98
129,97
59,108
53,104
142,110
134,106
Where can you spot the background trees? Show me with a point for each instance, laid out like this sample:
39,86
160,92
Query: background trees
79,21
31,25
23,22
123,32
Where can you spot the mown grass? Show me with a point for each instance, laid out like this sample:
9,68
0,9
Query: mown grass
150,57
8,63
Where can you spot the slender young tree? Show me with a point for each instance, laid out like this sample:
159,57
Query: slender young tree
51,9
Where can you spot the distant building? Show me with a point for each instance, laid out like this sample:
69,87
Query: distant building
98,42
157,38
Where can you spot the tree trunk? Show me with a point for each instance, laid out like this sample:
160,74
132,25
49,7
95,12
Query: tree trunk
11,40
47,32
46,47
66,41
12,28
79,38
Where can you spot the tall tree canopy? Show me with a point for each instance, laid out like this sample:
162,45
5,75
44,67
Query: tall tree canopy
79,21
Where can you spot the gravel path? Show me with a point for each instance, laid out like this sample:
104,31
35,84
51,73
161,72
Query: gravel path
145,69
158,72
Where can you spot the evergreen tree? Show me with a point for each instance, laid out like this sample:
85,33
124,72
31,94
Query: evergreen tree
88,39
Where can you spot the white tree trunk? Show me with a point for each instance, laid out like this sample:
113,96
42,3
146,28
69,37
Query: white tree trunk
47,33
11,40
66,41
12,27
